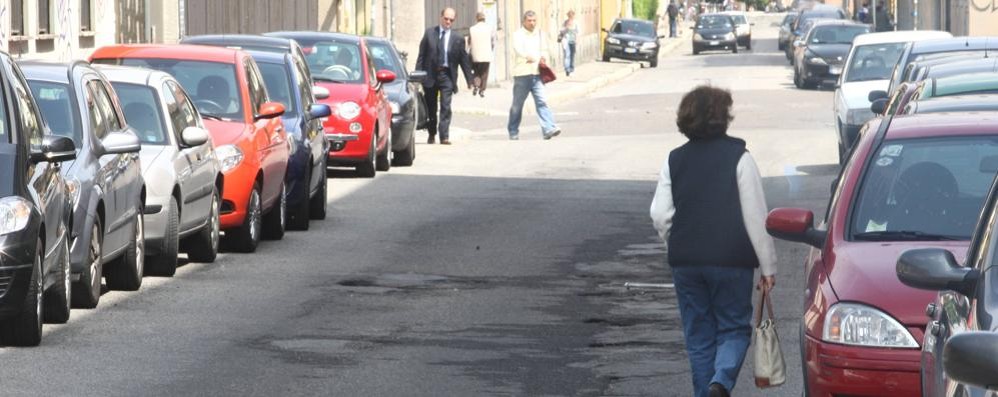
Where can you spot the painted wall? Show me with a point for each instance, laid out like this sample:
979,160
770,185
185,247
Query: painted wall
66,42
982,17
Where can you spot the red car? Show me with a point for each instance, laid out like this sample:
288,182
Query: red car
360,128
245,126
912,182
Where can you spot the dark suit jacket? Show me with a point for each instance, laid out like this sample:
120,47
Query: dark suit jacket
429,57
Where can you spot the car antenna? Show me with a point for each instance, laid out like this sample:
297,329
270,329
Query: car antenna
986,41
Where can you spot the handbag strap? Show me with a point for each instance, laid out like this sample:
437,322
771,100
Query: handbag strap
764,302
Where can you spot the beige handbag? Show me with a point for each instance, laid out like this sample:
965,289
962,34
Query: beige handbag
770,370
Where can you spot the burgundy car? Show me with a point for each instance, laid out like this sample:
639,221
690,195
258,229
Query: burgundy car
912,182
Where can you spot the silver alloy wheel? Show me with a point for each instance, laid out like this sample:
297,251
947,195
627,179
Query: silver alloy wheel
95,258
388,148
39,289
140,242
284,206
254,215
67,274
215,226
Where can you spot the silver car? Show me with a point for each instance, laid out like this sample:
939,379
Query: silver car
183,176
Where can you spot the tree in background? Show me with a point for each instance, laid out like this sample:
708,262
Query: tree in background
644,9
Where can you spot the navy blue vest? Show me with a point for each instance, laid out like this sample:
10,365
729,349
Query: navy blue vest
708,228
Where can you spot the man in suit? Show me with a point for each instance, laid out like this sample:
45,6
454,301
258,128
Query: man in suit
440,53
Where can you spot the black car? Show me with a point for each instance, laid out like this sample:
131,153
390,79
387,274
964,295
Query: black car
786,30
35,270
632,39
714,32
822,52
405,95
966,303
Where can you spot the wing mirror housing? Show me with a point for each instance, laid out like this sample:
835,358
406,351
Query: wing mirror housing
120,143
879,106
385,76
876,94
935,269
194,136
319,110
972,358
795,224
319,93
55,149
270,110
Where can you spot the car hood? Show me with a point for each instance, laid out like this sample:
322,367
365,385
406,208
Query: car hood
865,273
857,93
148,156
342,92
830,51
631,37
225,132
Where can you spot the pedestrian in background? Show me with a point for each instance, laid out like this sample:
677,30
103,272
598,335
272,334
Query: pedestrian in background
482,40
710,210
440,53
528,50
863,15
567,36
673,12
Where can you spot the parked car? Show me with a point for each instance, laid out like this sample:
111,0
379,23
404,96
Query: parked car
956,67
405,95
822,52
801,24
35,274
914,182
714,32
743,28
786,30
868,68
926,49
954,103
907,92
182,174
245,127
104,181
343,64
632,39
798,35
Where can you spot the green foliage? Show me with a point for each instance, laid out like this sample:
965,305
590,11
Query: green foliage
644,9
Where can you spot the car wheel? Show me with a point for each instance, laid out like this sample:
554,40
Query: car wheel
654,62
696,51
748,44
275,221
203,246
165,264
25,328
86,291
384,161
246,237
299,215
803,364
780,47
606,57
318,203
797,82
126,273
734,48
366,169
57,298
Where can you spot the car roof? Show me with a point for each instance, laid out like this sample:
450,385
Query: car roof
899,37
960,66
633,20
833,22
244,41
269,56
317,36
133,75
819,8
47,71
953,44
971,82
956,103
186,52
943,124
733,12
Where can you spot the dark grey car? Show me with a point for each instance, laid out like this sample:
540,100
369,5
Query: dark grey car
105,181
405,95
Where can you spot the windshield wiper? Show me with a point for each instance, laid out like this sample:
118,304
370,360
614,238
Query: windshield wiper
326,79
211,116
904,235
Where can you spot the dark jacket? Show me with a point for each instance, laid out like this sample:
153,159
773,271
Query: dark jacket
429,57
708,228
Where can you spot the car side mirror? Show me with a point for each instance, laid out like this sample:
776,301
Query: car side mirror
55,149
319,93
319,110
879,106
798,43
385,76
270,110
876,94
417,75
120,142
972,358
794,224
935,269
194,136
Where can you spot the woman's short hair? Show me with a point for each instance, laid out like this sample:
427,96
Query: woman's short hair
704,112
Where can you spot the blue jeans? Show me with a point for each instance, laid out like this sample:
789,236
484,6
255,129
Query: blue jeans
523,85
715,304
569,57
672,27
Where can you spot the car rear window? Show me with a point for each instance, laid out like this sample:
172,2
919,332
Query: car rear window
57,109
142,112
384,58
873,62
836,34
925,189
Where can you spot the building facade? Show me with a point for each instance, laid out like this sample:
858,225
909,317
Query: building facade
56,30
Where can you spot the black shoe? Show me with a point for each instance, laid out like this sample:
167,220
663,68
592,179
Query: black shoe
552,134
716,390
431,140
481,94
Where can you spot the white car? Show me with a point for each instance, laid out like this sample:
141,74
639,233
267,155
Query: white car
868,68
743,28
182,173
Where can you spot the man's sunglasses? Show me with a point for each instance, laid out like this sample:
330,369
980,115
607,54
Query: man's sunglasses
449,19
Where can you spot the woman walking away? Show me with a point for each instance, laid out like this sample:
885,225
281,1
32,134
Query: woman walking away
710,210
569,31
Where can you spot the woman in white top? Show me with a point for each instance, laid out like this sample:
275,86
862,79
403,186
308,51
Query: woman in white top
568,34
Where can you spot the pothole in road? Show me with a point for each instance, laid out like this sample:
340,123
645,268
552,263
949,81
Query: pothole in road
411,281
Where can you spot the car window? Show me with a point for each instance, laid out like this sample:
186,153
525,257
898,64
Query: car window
333,61
304,86
31,120
713,22
873,62
57,109
180,109
637,28
385,59
98,122
114,122
142,112
934,186
836,34
257,89
372,69
739,19
212,85
278,82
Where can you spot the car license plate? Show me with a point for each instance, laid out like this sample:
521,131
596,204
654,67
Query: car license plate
630,50
835,70
715,42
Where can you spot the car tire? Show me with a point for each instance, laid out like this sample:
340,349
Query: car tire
25,327
203,246
654,62
299,216
366,169
57,298
86,291
275,222
748,43
780,46
126,273
384,160
797,79
696,51
165,263
606,58
734,48
246,237
318,202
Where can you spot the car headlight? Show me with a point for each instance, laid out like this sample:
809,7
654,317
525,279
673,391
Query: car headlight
73,189
814,59
649,45
859,325
14,214
729,36
229,156
348,110
396,109
858,116
612,40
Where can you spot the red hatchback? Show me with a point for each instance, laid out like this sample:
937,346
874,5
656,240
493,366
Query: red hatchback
360,128
912,182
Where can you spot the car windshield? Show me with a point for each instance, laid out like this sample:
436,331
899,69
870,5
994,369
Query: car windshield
925,189
635,28
277,79
333,62
211,85
788,20
142,112
57,109
836,34
384,58
714,22
739,19
873,61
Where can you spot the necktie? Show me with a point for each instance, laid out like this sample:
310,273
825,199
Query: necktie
442,47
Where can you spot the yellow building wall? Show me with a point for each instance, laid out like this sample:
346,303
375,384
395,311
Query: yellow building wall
983,18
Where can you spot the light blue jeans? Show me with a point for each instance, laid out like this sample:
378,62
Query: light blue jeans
523,85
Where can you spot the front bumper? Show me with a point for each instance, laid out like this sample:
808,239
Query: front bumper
704,45
16,261
836,370
631,53
820,73
155,215
348,149
400,127
235,194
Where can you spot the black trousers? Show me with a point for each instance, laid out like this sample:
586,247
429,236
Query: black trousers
481,70
444,87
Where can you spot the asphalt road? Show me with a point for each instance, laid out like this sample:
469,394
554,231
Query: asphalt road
490,267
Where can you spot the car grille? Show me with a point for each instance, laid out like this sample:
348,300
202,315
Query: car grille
4,284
